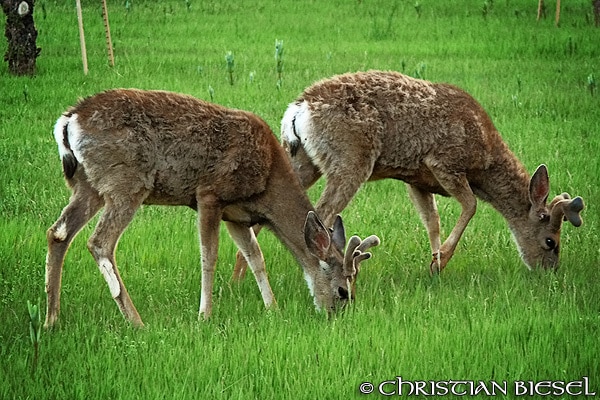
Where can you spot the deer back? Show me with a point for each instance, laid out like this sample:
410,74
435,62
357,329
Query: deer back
392,122
169,144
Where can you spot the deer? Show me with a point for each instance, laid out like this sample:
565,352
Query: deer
366,126
124,148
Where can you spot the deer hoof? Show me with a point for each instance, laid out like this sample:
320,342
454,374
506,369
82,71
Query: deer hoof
435,266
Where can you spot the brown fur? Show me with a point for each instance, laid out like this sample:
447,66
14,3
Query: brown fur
435,137
133,147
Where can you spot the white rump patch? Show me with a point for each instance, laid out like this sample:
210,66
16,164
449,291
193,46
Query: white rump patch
106,268
295,124
305,130
59,128
297,128
74,134
287,123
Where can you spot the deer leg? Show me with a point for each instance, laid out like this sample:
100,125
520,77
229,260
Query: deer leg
306,171
458,187
426,207
241,264
84,204
209,220
118,213
245,239
340,188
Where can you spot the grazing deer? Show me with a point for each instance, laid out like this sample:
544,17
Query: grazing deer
366,126
124,148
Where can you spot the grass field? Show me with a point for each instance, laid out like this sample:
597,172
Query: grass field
486,318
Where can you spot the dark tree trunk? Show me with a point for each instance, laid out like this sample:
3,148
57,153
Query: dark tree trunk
21,34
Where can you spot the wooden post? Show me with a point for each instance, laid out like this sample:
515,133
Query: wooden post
82,37
111,57
557,19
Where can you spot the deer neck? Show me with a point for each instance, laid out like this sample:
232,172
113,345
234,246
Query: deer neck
285,207
505,186
289,228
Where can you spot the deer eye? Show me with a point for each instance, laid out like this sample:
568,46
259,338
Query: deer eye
550,243
343,293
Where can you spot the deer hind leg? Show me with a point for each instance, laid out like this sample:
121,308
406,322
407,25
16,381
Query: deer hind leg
245,239
241,263
118,213
426,207
84,204
306,171
457,186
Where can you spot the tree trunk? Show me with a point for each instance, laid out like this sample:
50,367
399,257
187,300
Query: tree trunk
21,35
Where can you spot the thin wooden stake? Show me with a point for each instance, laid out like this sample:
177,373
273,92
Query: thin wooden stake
82,37
111,57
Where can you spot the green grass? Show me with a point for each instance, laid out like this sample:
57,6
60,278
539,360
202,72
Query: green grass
486,318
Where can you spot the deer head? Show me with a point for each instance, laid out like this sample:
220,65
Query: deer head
539,239
341,268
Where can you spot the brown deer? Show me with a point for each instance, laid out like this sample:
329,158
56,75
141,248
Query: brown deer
366,126
124,148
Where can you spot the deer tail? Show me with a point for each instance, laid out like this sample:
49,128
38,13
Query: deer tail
61,135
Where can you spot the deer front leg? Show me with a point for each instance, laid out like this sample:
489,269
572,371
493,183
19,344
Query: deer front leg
458,187
426,207
245,240
81,208
209,220
340,188
118,213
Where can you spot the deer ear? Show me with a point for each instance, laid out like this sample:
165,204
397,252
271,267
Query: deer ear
316,236
339,234
539,187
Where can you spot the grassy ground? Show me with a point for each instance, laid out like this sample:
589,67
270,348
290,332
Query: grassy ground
486,318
